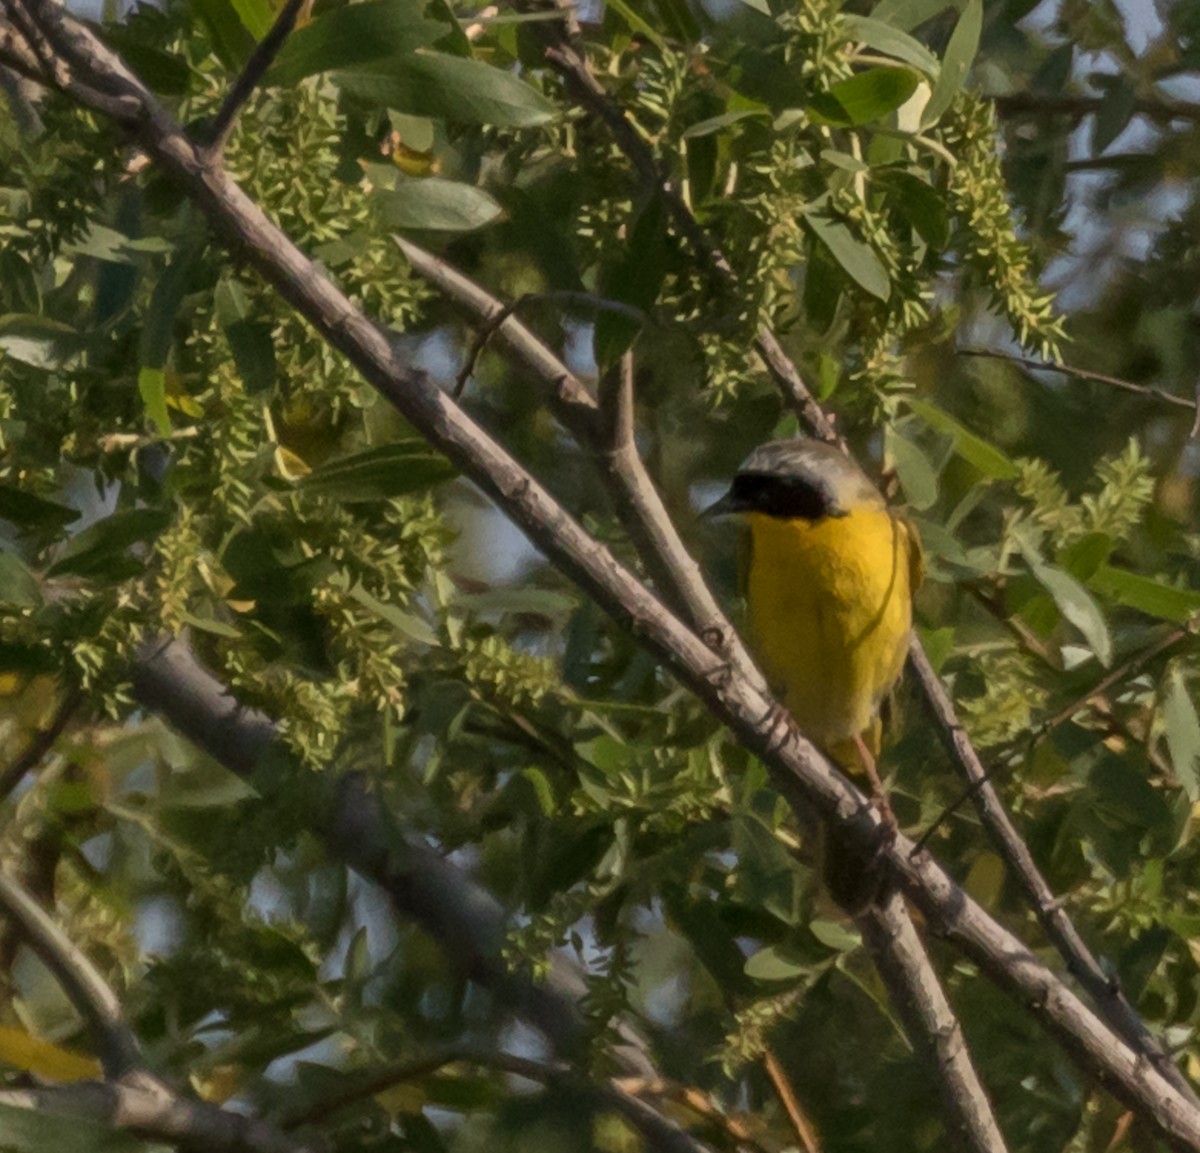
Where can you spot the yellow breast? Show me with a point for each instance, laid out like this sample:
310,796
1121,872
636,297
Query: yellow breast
830,606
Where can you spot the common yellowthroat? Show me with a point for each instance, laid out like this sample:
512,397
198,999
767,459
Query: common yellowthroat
829,581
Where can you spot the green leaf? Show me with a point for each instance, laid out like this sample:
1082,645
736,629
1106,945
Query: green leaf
834,935
960,54
428,83
772,964
37,340
35,1131
918,476
406,623
379,473
921,205
18,586
1116,111
211,625
757,6
891,41
856,258
975,450
630,15
28,511
434,205
353,36
866,96
253,349
725,120
1182,729
256,16
164,306
100,549
232,40
1075,603
634,279
906,15
1145,594
152,388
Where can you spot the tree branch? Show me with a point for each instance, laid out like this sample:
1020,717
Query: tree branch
1066,938
1147,390
1033,103
662,1133
797,769
932,1026
631,488
80,979
256,67
148,1109
465,919
40,745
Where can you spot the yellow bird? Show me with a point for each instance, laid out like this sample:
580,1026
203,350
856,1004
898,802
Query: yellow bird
829,581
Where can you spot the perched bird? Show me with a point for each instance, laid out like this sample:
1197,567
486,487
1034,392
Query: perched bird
829,579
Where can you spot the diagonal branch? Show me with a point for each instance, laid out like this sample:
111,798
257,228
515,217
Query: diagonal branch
256,67
1078,957
634,495
661,1132
921,1002
83,983
797,769
150,1110
465,919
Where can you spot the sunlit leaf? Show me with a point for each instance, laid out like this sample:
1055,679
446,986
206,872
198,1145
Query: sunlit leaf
435,205
960,54
1181,727
856,258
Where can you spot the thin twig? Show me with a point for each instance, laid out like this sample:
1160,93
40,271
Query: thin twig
805,1129
497,321
633,492
1065,936
80,979
248,80
662,1133
1104,991
1148,390
1129,667
575,71
797,769
918,997
41,744
1156,107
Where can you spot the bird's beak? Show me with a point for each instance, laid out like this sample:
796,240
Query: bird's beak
726,506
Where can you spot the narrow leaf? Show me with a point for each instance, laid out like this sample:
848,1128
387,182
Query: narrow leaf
1182,729
28,511
152,387
379,473
99,550
1145,594
865,97
353,36
1076,604
435,205
428,83
18,586
891,41
857,259
973,449
960,54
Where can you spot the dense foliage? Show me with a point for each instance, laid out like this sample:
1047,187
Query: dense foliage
183,455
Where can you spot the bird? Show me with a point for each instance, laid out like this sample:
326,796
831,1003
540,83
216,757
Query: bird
829,575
